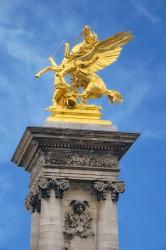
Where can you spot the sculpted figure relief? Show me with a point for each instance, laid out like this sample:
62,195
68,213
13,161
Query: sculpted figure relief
77,222
81,64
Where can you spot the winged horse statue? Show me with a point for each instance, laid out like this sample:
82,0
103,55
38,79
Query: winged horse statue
82,63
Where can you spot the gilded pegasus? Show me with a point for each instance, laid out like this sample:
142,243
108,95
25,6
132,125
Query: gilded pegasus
82,63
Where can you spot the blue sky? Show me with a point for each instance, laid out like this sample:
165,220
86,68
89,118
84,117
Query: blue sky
30,31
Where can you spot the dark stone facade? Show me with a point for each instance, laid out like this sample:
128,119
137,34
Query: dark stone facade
79,167
70,148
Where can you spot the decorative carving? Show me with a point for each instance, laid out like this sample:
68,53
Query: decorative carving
77,222
103,187
45,185
100,188
33,202
42,190
86,159
37,168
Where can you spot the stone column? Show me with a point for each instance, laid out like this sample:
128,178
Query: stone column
35,229
107,228
44,202
51,228
107,231
85,155
51,237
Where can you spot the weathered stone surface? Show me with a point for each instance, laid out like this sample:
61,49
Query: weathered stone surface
77,222
82,191
115,187
69,148
51,217
68,164
107,225
42,190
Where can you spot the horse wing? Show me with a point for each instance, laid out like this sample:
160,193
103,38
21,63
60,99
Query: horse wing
104,52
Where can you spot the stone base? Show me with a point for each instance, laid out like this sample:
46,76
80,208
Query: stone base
70,164
90,115
82,126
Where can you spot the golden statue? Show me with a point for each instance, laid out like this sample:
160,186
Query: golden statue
81,64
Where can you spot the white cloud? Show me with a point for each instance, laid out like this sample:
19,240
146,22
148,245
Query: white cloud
13,41
145,12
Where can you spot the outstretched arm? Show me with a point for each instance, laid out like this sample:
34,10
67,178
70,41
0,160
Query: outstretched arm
44,71
52,68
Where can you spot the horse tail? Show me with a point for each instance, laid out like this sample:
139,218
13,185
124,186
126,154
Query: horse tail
114,96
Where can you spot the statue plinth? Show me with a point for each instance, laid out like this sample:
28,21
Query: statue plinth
74,185
90,115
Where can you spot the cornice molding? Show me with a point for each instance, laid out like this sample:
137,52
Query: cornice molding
40,139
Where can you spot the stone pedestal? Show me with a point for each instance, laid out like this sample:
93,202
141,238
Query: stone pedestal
74,185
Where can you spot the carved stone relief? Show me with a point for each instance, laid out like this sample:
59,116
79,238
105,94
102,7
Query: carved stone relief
59,186
77,222
103,187
37,169
42,190
82,158
33,202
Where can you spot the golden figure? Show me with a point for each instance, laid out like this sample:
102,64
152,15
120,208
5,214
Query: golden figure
82,63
